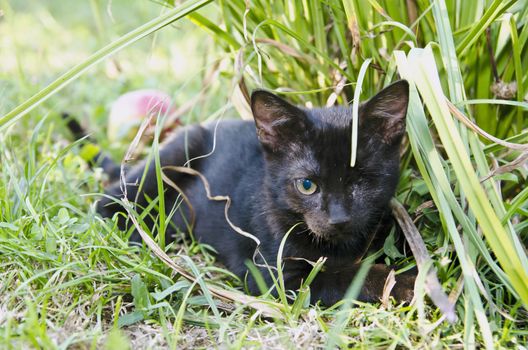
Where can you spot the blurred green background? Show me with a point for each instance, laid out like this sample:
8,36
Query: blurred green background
40,40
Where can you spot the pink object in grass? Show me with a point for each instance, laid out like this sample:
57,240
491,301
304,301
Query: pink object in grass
132,108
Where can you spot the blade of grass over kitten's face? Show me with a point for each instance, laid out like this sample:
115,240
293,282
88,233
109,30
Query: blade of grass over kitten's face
127,39
355,110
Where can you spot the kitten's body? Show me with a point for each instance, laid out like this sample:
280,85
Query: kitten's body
338,221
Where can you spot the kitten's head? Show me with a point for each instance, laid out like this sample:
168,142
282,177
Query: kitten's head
308,161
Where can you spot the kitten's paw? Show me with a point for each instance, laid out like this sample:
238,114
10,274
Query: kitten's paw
403,290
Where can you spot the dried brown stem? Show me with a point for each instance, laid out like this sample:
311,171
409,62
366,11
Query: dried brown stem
432,284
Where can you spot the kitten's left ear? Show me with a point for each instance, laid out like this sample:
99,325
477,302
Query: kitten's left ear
278,122
385,112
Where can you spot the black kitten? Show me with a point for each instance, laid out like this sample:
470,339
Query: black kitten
292,165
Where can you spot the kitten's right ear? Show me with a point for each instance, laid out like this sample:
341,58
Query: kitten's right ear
278,122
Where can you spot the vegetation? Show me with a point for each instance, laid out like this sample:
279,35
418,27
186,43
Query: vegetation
70,279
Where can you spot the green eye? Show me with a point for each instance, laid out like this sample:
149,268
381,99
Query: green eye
306,186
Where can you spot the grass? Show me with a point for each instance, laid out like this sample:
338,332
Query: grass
71,280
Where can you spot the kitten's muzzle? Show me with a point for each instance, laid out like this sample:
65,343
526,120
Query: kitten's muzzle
339,228
333,229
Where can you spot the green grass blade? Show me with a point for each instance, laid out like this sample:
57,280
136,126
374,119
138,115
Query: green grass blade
518,70
523,105
355,111
495,9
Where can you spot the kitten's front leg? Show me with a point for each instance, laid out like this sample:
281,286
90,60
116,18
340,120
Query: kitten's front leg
331,284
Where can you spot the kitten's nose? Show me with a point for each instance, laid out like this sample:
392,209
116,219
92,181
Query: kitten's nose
338,215
339,221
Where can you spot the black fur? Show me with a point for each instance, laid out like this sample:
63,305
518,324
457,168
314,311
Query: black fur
339,221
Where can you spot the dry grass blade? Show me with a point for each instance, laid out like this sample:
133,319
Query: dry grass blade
412,12
130,153
433,286
241,98
227,199
288,50
353,26
184,196
390,282
516,163
460,116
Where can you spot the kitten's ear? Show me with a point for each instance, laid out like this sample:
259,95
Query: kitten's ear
385,112
278,122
